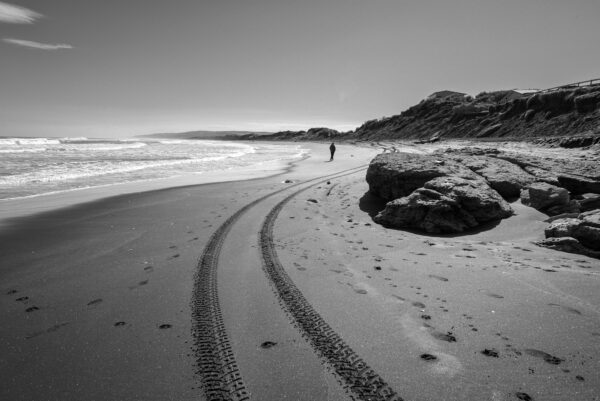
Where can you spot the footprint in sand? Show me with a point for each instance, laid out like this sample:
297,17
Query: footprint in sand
359,288
567,308
149,268
418,304
22,299
173,247
428,357
490,352
551,359
48,330
268,344
438,277
523,396
165,326
449,337
11,292
491,294
32,309
139,284
173,257
118,324
95,302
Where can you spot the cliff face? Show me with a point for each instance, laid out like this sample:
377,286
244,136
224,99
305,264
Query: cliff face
504,114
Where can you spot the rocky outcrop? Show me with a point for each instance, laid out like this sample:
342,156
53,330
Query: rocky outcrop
569,111
570,141
505,177
548,198
567,244
576,175
394,175
448,204
455,190
435,193
589,202
578,235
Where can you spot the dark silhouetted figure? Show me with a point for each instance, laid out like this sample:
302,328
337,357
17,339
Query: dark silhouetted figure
332,150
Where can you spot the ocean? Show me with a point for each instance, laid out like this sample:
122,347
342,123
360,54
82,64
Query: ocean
31,167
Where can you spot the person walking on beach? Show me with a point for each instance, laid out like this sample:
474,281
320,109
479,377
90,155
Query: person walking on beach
332,150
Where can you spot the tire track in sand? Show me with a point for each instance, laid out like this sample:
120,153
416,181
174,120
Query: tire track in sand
215,361
357,376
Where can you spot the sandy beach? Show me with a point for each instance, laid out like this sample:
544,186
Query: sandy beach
283,287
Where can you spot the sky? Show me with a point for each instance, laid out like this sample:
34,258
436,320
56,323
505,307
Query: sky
73,68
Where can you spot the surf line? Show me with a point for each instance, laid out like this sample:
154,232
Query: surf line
356,375
219,372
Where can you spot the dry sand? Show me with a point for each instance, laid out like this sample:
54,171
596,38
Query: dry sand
98,299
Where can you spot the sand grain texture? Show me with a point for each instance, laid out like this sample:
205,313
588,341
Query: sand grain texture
485,315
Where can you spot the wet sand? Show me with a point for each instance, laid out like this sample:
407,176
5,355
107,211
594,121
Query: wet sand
104,300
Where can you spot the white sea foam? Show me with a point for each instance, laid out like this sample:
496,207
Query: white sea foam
35,166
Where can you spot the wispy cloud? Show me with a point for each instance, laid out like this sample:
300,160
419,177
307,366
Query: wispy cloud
16,14
37,45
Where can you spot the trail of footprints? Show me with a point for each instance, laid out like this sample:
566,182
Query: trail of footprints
92,303
467,252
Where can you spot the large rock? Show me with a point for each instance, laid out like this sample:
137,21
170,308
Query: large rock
548,198
585,229
562,228
578,184
591,218
579,176
448,204
589,202
394,175
567,244
505,177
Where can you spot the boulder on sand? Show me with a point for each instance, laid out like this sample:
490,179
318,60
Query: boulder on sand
394,175
585,230
449,204
567,244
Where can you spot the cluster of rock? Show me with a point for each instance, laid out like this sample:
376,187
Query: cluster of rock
453,191
577,234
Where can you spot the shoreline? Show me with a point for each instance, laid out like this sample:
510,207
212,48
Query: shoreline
98,293
13,209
